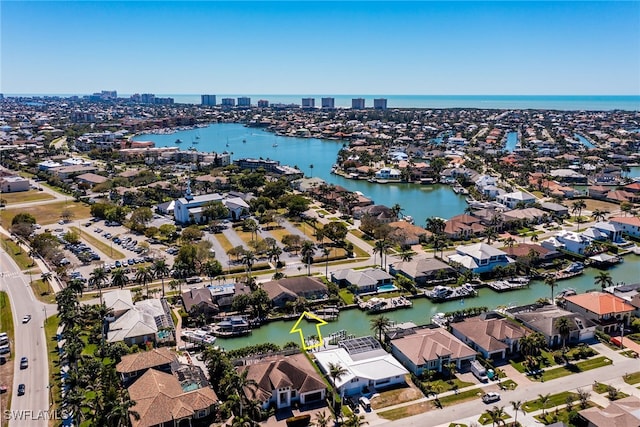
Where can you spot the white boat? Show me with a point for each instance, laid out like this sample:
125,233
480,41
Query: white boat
198,336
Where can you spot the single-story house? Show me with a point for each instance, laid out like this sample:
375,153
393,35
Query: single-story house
290,289
423,270
367,280
431,349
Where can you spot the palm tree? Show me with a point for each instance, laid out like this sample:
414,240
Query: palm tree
321,419
564,329
396,210
598,215
46,278
551,281
160,270
144,276
381,246
336,371
576,208
306,252
603,279
380,324
407,256
543,399
248,258
516,405
509,242
496,415
119,278
490,234
355,420
325,253
97,278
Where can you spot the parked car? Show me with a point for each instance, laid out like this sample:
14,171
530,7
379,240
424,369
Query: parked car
491,397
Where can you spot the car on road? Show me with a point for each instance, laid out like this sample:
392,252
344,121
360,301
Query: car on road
26,318
490,397
24,363
21,389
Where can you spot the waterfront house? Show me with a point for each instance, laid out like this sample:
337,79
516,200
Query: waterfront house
290,289
380,213
463,227
555,209
567,240
544,320
512,200
406,233
526,215
368,366
388,173
283,380
607,311
367,280
490,334
623,412
629,225
133,365
423,271
480,258
431,349
198,301
163,400
598,191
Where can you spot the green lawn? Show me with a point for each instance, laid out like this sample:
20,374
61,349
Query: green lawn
361,235
19,256
559,415
99,244
50,330
563,371
633,378
463,396
485,419
43,291
554,400
346,296
6,316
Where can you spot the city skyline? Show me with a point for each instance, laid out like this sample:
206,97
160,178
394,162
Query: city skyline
430,48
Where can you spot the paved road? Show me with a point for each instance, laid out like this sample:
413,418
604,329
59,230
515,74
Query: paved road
30,342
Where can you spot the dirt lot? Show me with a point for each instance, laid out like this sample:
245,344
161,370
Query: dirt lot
600,204
396,396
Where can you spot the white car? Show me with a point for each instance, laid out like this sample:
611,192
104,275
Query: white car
26,318
491,397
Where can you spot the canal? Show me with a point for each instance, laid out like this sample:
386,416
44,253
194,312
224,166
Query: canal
356,322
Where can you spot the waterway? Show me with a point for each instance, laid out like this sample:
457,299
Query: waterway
512,141
314,157
584,140
357,323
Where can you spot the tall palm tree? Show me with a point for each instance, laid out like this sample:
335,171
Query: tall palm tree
321,419
248,259
564,329
435,225
97,279
380,324
160,270
576,208
119,278
496,415
325,253
604,280
551,281
336,371
543,399
144,276
306,252
46,278
490,234
516,405
598,215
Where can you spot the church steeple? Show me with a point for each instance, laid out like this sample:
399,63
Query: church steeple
188,195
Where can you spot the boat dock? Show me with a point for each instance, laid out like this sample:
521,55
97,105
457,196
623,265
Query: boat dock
446,293
508,285
380,305
328,313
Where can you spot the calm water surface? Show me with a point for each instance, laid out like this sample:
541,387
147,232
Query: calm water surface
315,157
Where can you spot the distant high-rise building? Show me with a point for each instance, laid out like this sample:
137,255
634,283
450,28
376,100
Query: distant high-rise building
109,94
380,103
209,100
244,101
308,103
263,103
228,102
148,98
329,103
357,103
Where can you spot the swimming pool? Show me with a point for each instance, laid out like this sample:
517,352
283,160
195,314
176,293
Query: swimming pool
387,288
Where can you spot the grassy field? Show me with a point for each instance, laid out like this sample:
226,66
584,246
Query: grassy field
346,296
6,316
585,365
554,400
224,242
19,256
359,234
463,396
49,213
43,292
50,331
99,244
406,411
26,196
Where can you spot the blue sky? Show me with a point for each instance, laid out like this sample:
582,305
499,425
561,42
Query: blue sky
455,47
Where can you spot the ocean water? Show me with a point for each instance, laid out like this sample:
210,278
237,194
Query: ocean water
551,102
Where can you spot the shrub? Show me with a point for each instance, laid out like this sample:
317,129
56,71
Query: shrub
299,421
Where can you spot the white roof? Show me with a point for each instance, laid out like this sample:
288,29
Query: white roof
118,300
479,251
375,366
133,323
464,260
518,195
